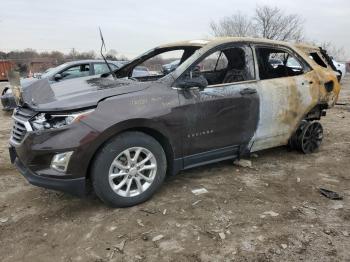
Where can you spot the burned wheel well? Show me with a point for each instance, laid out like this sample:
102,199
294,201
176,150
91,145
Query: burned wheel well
316,113
164,142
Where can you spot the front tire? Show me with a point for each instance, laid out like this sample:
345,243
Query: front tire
128,169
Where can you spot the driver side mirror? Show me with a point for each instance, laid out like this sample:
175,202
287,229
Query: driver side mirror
58,77
193,79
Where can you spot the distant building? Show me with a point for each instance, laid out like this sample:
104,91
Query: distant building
5,66
37,65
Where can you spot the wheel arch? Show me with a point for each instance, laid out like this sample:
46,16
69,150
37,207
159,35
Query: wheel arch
158,134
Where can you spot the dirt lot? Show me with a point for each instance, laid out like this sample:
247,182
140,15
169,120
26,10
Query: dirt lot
272,212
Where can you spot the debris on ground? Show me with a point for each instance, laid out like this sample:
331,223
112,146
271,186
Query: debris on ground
270,213
345,233
284,246
222,235
330,231
164,212
305,204
260,238
3,219
157,238
195,203
152,212
298,179
139,222
120,246
337,206
199,191
330,194
243,163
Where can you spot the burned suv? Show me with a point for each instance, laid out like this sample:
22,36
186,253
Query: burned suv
123,134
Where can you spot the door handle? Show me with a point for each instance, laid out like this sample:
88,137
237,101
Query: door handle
247,91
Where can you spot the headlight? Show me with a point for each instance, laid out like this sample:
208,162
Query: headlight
49,121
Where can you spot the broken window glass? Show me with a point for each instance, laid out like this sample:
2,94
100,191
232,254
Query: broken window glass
275,63
228,65
318,59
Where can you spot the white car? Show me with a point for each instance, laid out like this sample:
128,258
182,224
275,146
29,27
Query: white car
341,68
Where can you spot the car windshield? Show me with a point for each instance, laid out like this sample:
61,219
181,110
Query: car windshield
156,63
49,72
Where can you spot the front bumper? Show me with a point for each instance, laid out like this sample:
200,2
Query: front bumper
74,186
32,153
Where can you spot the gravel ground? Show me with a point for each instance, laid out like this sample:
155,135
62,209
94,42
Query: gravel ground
270,212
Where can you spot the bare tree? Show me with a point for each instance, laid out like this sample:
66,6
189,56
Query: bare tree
267,22
338,53
273,23
112,54
235,25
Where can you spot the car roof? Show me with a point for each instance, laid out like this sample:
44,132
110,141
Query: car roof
222,40
77,62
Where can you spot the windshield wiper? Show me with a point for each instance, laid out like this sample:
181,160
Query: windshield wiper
103,45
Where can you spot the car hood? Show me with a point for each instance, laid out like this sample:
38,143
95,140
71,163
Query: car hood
76,93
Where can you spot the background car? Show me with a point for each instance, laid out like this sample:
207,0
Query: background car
140,71
62,72
341,68
167,68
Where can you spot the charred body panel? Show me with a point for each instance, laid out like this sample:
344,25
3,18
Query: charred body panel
198,115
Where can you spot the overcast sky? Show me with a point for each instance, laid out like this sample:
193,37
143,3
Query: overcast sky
134,26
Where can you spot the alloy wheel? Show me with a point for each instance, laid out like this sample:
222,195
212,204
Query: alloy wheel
132,172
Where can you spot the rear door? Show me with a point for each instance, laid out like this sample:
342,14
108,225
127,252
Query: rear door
286,94
220,120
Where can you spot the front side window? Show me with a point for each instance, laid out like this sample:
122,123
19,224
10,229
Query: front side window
275,63
76,71
228,65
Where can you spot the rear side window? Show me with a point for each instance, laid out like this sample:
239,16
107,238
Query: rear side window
276,63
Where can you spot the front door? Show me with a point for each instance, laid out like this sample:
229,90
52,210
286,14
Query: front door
221,119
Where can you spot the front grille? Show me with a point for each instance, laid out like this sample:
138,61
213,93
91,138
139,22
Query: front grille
18,132
21,125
